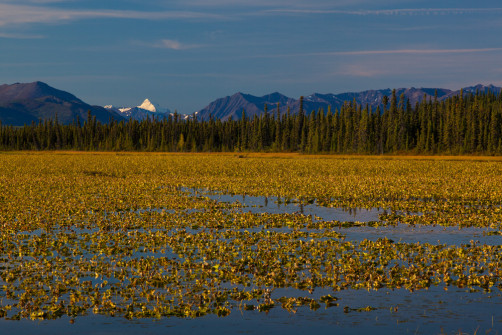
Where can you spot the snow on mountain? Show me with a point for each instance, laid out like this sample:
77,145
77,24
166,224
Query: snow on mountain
146,110
154,108
232,107
125,110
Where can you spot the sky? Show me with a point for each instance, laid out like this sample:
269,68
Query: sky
183,54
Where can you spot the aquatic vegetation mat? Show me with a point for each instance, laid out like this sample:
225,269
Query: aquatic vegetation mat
155,236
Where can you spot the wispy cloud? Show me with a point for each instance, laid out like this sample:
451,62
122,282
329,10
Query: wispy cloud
432,67
244,3
413,51
423,51
37,1
175,45
20,36
326,4
18,14
167,44
390,12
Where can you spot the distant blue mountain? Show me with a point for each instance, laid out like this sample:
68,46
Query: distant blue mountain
233,106
25,103
31,102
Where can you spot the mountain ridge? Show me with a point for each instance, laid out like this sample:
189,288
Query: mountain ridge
147,109
233,106
24,103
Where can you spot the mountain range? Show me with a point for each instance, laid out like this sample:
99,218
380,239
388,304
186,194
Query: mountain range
31,102
146,110
233,106
25,103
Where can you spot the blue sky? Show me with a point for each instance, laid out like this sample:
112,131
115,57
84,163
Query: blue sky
183,54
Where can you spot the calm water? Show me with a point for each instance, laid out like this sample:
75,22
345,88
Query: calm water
433,311
400,233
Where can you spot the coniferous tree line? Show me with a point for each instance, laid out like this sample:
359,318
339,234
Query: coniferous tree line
463,124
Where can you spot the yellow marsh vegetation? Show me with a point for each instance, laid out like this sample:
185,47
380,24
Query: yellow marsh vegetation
119,234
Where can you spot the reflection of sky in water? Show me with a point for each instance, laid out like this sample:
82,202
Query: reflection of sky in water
423,234
400,233
272,205
432,311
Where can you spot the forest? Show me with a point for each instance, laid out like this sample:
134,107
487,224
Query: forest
470,123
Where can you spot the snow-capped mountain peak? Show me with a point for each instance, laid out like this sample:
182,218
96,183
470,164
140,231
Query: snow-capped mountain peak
149,106
145,110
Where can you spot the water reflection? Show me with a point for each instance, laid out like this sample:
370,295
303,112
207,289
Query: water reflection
431,311
434,311
275,205
399,233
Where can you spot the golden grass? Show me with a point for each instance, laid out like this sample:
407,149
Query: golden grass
285,155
